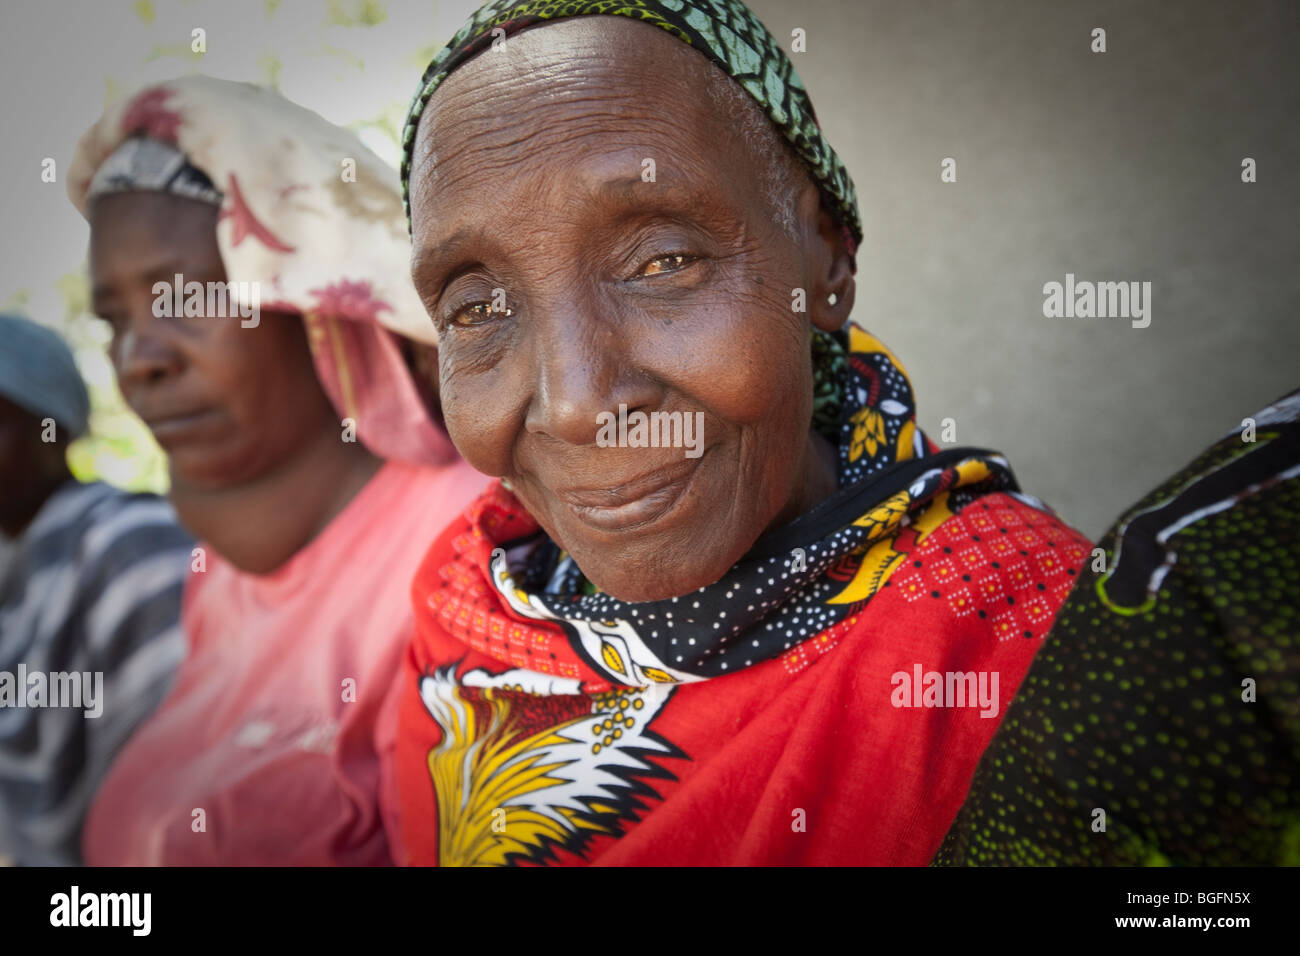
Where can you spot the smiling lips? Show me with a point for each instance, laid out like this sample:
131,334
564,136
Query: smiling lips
623,506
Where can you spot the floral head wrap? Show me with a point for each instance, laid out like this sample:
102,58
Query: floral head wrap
308,213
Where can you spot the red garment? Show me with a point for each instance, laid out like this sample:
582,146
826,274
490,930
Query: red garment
803,759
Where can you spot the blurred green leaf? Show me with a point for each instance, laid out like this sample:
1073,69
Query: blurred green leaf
389,120
18,300
163,50
112,91
350,58
118,448
74,290
355,13
272,68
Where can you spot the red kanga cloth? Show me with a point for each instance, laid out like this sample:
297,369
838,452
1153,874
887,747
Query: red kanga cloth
809,758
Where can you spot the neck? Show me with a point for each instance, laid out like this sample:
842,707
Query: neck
820,479
259,525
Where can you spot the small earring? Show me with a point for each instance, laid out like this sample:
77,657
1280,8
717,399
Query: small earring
831,299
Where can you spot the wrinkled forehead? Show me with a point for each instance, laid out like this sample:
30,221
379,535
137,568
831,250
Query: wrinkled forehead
568,87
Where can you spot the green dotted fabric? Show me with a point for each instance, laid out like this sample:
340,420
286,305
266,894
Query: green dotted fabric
830,362
1135,708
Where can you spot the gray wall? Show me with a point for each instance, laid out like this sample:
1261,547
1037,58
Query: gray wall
1117,166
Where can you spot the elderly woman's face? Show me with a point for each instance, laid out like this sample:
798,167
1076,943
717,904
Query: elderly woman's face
566,282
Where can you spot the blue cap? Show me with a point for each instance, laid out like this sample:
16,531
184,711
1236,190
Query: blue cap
38,373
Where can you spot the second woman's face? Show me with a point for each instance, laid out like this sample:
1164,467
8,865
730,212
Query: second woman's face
227,400
592,242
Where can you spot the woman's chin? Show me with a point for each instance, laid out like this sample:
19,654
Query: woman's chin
207,470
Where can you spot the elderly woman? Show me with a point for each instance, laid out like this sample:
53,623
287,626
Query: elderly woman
300,452
788,638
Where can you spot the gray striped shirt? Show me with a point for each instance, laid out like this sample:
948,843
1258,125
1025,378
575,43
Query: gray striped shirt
93,586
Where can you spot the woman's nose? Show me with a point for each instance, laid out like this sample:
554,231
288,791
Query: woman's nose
145,352
584,365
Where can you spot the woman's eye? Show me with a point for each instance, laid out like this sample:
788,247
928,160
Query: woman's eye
478,313
665,264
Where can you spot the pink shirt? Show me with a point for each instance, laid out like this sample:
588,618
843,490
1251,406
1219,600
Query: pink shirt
272,746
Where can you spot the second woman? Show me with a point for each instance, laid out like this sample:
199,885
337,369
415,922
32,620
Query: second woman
302,454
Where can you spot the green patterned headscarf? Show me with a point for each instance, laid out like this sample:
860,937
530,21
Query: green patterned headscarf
726,31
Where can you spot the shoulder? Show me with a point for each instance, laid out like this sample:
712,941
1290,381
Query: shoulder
1178,643
98,527
131,566
123,528
420,478
1230,512
1000,563
428,496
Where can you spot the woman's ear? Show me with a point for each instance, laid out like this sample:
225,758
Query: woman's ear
829,264
831,299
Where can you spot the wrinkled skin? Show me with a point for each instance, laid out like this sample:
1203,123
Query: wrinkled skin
673,295
254,445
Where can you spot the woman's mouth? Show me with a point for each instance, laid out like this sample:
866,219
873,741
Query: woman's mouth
171,429
631,504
